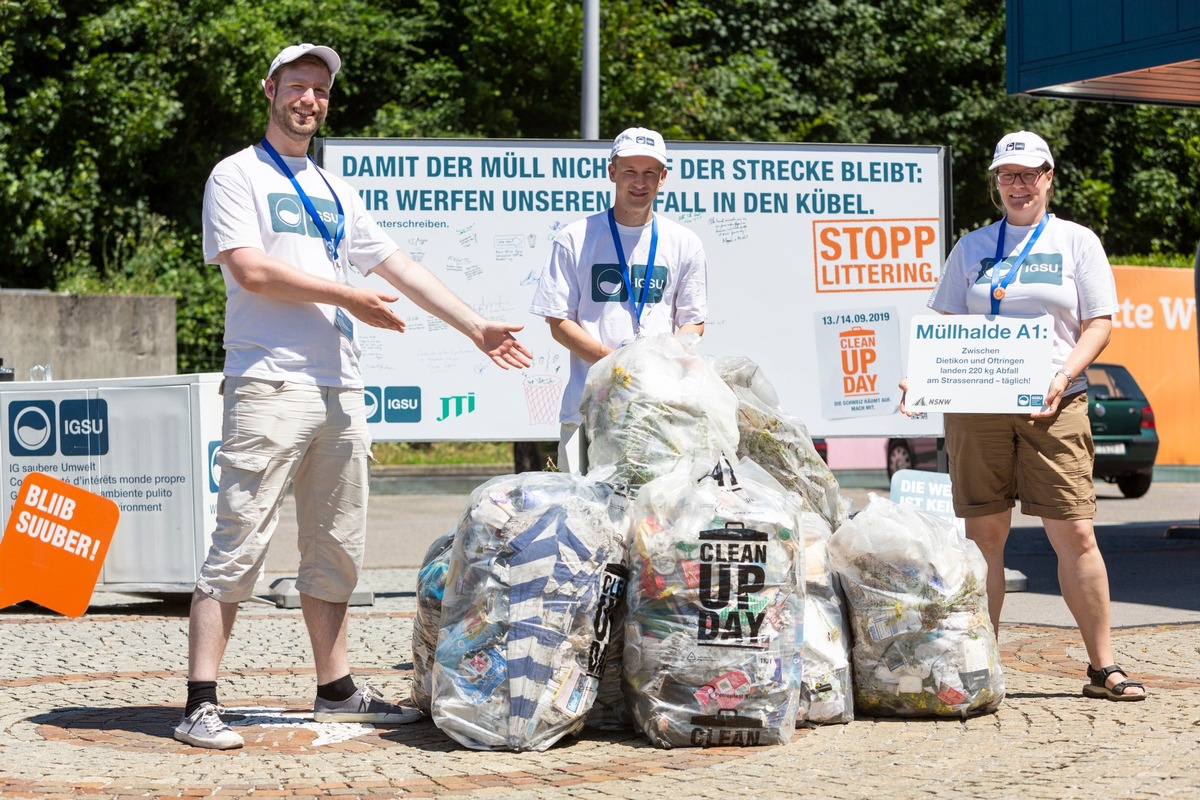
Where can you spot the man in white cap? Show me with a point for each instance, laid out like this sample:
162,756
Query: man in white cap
286,235
619,275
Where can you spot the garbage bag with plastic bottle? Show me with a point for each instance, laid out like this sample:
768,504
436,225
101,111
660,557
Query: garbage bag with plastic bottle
827,691
653,405
431,584
779,442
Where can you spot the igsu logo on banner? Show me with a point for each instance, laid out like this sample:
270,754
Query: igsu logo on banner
73,428
393,403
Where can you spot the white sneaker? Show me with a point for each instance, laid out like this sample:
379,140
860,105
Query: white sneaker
365,705
205,728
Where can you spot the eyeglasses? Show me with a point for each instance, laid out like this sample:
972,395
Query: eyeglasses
1028,177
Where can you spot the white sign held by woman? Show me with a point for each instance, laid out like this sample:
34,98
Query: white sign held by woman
978,363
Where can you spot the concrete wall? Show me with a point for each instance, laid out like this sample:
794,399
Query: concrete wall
94,336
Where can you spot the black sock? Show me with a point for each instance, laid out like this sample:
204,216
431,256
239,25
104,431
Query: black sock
338,690
200,692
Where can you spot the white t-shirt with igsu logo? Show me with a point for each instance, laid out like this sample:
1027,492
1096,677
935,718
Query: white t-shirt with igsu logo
582,282
248,202
1066,275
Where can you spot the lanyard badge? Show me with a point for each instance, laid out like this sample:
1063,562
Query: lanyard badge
999,288
640,303
341,319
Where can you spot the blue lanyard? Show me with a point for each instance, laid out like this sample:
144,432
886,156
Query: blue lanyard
331,242
999,288
640,303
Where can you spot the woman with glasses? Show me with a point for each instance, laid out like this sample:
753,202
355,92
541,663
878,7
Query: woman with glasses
1027,264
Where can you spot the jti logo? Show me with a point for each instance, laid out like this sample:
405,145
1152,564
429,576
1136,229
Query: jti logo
457,405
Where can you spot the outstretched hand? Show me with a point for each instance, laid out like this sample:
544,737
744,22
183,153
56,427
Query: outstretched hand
372,307
497,340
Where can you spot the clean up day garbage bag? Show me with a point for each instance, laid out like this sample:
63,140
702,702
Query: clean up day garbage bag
653,405
716,608
779,442
431,583
827,691
535,573
923,642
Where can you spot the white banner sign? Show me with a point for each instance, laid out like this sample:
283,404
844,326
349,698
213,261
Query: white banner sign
977,363
817,257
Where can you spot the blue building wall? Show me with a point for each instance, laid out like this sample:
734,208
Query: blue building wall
1052,42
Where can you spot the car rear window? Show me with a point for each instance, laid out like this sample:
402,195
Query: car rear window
1112,383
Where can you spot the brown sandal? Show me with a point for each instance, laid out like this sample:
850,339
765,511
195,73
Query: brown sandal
1099,688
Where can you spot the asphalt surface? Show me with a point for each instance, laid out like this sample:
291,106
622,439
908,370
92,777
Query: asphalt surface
87,705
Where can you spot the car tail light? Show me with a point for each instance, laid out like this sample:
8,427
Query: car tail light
822,448
1147,417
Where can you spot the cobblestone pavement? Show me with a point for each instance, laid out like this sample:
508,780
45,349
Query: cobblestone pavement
87,707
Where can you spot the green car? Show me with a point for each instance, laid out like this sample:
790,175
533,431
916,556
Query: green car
1122,429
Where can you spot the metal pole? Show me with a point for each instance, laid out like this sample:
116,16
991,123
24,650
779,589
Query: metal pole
589,112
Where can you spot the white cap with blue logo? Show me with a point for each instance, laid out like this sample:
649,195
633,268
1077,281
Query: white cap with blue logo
1022,149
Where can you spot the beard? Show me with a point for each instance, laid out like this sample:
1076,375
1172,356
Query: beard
285,121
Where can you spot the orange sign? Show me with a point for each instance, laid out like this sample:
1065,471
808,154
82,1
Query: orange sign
1154,337
879,255
54,545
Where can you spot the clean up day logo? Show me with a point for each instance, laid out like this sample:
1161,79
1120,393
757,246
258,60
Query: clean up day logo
73,428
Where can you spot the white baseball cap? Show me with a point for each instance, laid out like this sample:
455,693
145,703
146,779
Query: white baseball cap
289,54
1022,149
640,142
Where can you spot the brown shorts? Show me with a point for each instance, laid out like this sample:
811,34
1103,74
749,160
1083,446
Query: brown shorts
1046,462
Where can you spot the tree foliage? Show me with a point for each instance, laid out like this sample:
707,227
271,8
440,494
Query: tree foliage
112,113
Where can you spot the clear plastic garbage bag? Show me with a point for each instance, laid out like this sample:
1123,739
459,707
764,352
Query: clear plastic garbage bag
827,692
654,405
779,442
431,583
716,609
535,572
923,642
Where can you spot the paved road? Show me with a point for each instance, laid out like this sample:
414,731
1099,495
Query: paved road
87,705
